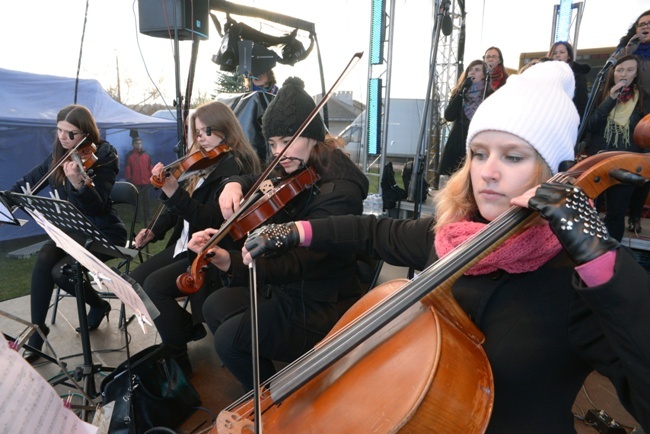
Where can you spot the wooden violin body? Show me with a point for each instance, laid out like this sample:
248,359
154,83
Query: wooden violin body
273,201
406,357
259,212
197,160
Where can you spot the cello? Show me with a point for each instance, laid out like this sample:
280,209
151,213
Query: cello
409,343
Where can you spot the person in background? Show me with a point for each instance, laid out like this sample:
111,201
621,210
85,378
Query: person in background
620,107
637,41
90,194
497,74
553,303
137,171
563,51
265,82
301,294
191,208
465,98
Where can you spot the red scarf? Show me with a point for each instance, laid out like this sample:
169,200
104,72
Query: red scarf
625,95
526,251
497,77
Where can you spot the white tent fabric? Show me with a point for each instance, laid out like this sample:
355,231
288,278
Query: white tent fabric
28,107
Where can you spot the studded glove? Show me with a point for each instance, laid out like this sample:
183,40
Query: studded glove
272,238
573,220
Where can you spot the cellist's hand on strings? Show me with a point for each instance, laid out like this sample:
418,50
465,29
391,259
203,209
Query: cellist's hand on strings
572,218
220,257
171,183
144,236
74,175
272,238
230,199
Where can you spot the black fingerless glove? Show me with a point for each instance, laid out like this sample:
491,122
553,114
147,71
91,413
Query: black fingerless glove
573,220
272,238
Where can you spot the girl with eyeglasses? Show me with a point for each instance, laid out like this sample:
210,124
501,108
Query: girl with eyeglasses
90,194
189,208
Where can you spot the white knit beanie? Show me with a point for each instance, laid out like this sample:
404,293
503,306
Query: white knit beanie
537,107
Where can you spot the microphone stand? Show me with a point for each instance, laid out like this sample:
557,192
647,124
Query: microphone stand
415,186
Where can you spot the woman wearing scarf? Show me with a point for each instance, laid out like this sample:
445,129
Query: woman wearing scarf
497,72
554,304
470,91
621,106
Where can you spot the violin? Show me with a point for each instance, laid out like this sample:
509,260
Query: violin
193,162
240,224
406,349
193,280
272,202
82,153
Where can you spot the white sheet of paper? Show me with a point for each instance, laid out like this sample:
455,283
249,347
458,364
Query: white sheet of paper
107,277
29,403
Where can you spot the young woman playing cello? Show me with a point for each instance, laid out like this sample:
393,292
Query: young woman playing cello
555,302
189,209
303,293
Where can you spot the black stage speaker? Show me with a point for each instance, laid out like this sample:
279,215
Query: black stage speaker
159,18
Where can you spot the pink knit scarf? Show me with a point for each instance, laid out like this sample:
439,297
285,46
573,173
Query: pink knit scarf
526,251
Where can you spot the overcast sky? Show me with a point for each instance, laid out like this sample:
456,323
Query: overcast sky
44,36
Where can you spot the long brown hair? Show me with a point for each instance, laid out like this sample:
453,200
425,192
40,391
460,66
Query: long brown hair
80,117
224,123
463,76
636,84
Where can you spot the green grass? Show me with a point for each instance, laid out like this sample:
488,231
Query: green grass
16,272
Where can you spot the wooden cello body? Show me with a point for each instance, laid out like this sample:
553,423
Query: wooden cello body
424,369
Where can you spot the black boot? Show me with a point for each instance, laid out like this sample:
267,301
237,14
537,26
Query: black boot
36,342
96,315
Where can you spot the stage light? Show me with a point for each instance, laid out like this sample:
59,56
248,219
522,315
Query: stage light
377,32
373,114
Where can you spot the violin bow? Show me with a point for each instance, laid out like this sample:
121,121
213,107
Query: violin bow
258,186
65,156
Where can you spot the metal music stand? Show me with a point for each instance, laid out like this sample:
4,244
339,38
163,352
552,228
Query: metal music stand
69,220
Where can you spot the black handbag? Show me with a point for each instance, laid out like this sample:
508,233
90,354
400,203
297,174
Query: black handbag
162,396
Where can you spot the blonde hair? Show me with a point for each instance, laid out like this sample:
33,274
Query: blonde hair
456,202
224,123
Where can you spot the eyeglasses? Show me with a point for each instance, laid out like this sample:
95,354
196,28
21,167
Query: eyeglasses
643,24
70,134
491,57
207,131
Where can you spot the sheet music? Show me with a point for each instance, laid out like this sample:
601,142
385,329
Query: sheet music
108,278
29,404
7,216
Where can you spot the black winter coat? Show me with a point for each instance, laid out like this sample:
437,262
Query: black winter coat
320,276
544,330
201,210
598,121
455,151
94,202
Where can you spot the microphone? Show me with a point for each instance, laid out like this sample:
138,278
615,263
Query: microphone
466,85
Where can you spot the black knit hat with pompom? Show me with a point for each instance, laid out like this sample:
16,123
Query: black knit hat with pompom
288,110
